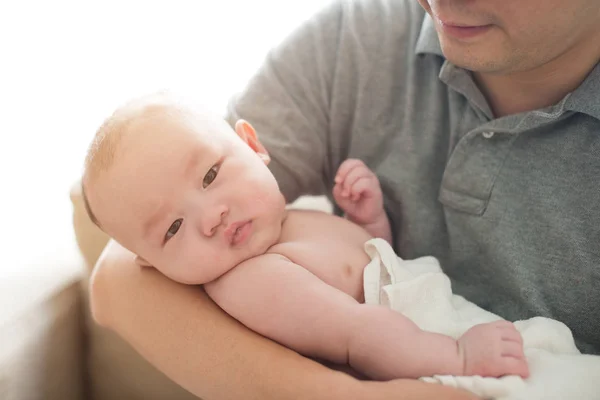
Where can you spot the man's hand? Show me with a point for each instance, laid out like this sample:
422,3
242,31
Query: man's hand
493,349
358,193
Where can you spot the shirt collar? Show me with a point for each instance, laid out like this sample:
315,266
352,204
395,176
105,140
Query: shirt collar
586,98
428,41
456,78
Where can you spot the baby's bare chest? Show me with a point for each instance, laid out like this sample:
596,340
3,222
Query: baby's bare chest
328,246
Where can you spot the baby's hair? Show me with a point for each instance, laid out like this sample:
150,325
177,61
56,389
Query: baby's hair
103,149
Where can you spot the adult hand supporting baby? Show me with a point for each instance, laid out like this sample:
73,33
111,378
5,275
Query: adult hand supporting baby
178,329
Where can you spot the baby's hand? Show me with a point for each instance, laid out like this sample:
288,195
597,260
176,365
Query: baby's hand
493,349
358,193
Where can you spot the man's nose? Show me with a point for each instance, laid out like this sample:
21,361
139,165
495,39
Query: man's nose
214,219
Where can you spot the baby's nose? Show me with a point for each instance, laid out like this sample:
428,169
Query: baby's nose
214,220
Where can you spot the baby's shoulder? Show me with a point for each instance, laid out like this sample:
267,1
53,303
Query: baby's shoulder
295,214
311,225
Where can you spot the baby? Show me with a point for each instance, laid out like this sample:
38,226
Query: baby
194,199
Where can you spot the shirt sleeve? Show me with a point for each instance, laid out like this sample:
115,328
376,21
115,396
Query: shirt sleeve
288,103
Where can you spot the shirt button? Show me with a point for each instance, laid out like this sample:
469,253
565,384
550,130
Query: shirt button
488,135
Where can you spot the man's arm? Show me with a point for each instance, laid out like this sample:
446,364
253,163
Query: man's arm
186,336
287,303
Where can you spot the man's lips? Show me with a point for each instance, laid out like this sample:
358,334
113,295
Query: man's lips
461,30
238,232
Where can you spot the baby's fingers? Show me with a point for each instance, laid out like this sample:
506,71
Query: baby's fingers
512,349
512,334
515,366
338,194
346,167
362,186
358,173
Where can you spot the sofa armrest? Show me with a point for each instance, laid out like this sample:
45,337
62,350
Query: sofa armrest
42,340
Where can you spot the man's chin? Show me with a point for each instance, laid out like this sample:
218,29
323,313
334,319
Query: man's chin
472,63
476,59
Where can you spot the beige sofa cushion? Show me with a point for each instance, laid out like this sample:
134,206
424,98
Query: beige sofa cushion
41,339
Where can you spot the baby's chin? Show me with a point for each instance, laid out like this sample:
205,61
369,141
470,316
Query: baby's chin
259,247
273,236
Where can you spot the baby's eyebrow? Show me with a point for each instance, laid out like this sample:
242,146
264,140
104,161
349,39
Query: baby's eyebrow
191,164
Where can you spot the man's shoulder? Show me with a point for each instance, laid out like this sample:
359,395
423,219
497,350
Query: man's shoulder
379,19
385,11
368,25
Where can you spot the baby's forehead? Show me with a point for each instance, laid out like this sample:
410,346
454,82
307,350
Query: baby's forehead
123,199
158,137
166,121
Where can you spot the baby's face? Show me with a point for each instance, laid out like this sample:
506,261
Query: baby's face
189,197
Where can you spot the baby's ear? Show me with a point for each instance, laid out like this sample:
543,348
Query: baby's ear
142,262
247,133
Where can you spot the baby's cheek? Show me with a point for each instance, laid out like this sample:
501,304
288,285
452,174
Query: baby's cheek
177,268
214,264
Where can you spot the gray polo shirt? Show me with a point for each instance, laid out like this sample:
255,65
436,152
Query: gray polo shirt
510,206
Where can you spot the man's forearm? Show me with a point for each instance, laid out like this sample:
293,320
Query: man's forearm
387,345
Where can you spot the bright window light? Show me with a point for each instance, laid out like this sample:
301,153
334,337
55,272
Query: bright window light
64,67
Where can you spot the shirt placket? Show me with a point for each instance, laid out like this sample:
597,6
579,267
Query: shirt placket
482,144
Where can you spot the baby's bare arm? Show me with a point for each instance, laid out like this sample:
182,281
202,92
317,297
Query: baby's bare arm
285,302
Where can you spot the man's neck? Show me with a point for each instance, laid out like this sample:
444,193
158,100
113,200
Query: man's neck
540,87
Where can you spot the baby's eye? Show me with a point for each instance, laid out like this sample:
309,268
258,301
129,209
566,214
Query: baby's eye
173,229
210,176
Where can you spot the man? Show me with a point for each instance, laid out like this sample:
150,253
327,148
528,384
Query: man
482,120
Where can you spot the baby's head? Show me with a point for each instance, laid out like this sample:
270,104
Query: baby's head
181,189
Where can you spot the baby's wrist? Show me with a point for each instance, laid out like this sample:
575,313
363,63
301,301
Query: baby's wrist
378,217
379,227
380,220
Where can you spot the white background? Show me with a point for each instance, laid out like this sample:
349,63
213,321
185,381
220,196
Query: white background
65,65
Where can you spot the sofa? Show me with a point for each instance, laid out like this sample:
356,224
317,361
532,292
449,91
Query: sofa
51,349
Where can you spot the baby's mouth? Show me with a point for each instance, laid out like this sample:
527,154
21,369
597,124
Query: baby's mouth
238,232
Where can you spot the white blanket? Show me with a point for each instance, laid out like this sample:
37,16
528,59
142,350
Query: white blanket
421,291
